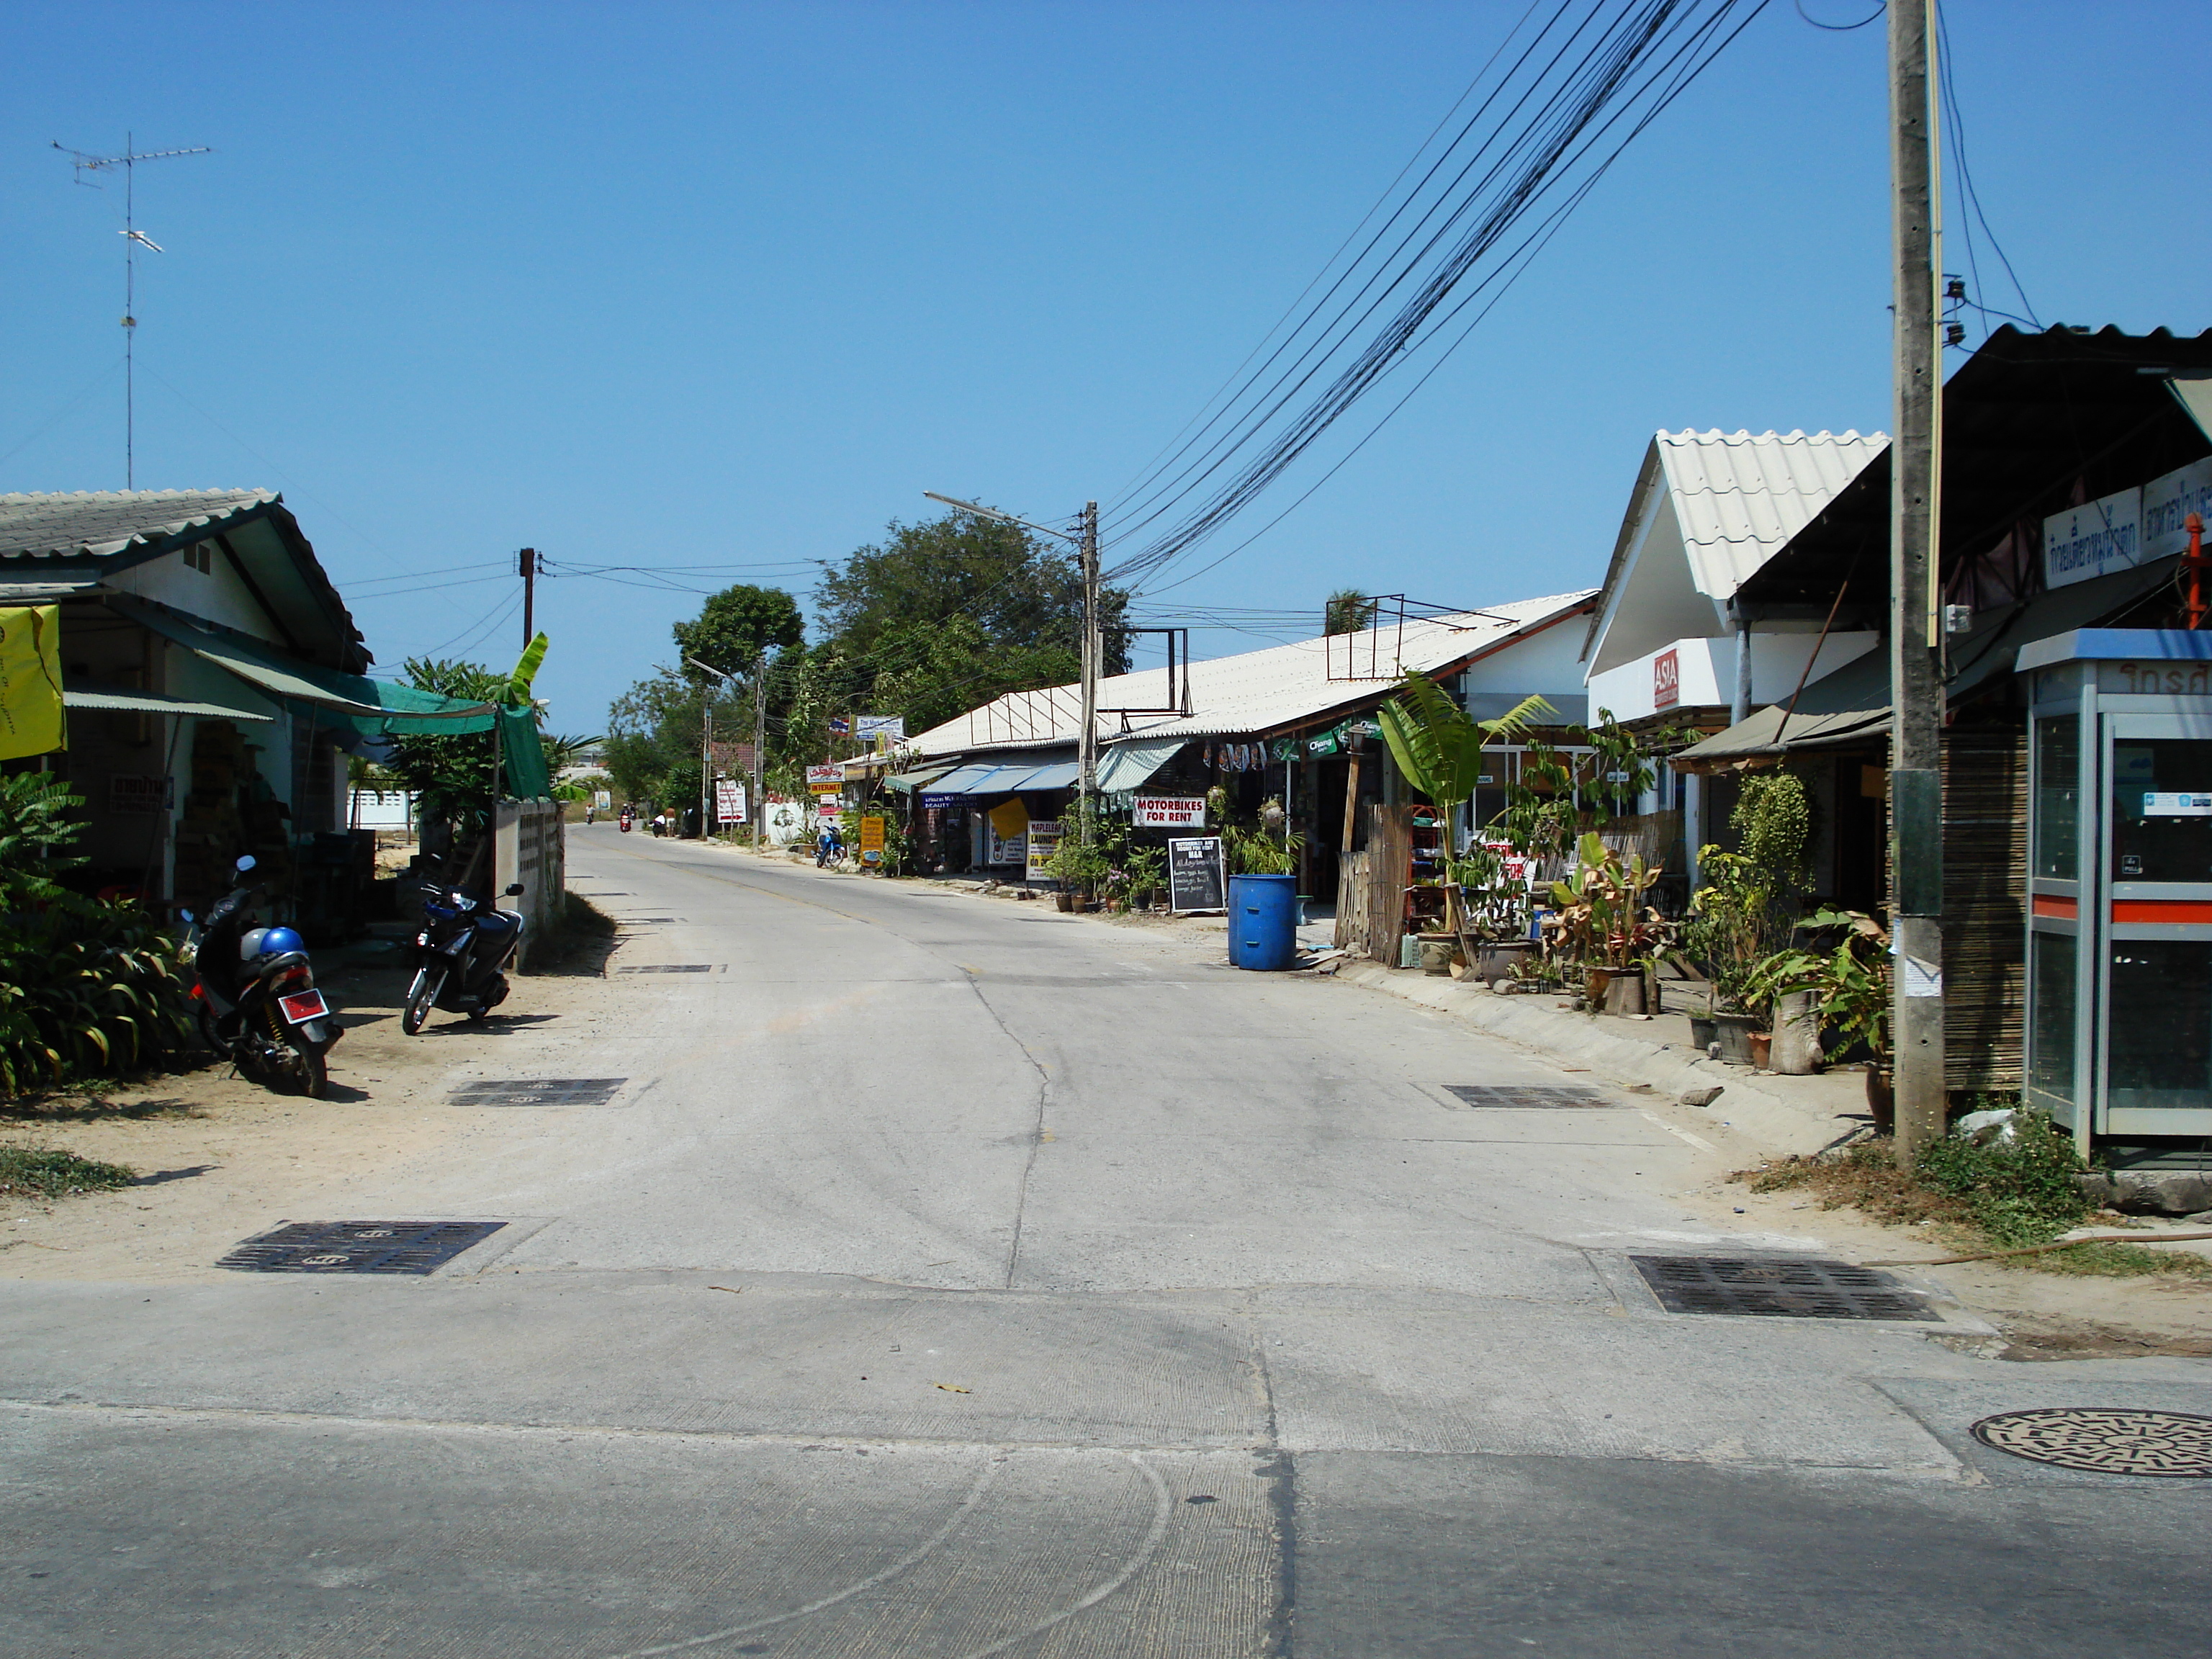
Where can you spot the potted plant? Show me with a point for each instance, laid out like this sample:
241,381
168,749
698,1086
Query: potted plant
1080,867
1602,921
1145,869
1850,991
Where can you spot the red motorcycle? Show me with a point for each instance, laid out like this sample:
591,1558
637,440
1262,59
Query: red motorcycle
625,821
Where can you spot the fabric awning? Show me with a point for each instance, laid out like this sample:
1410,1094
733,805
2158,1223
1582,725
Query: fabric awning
123,701
970,780
370,707
1129,765
1054,775
374,707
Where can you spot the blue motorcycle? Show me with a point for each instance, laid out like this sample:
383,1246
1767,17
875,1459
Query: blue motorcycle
461,953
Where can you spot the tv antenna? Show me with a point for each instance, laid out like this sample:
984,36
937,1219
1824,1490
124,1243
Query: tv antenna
133,239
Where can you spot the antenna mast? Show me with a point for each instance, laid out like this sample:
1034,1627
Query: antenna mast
133,239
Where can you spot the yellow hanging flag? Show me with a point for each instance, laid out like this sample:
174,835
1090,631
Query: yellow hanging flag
1009,818
31,681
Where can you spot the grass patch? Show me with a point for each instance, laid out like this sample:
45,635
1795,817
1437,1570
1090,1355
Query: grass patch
1994,1196
49,1172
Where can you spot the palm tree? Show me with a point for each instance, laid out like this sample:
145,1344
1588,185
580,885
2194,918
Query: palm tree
1348,611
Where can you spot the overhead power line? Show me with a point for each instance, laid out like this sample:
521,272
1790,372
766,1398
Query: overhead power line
1576,90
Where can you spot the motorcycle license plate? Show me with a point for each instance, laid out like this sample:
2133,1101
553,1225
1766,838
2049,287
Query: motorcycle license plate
303,1007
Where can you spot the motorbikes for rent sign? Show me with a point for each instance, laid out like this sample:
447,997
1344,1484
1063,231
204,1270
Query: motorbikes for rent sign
1167,812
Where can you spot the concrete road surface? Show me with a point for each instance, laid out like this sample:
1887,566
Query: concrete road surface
951,1278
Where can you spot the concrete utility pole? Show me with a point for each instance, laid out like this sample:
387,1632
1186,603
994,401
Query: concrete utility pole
759,804
527,560
1093,653
1916,774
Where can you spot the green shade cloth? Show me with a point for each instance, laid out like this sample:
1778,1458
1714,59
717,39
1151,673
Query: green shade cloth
526,777
1127,766
371,707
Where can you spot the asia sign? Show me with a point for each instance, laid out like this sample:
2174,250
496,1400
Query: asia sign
1667,679
1167,812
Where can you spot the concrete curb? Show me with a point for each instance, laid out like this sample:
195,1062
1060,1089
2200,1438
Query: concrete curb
1751,1103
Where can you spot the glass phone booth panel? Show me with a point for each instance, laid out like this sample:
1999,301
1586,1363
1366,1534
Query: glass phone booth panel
2119,947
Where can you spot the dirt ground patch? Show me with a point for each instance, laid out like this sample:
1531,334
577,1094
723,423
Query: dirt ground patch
218,1157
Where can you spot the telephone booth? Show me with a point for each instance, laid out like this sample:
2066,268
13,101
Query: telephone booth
2119,945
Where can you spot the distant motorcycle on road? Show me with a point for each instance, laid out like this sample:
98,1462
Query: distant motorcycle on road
461,953
256,994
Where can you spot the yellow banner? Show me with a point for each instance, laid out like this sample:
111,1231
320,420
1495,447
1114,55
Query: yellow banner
31,681
1010,818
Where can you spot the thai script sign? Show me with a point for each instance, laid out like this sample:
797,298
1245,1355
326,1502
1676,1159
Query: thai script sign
2093,539
826,780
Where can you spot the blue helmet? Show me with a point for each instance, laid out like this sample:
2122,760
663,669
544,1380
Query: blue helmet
275,941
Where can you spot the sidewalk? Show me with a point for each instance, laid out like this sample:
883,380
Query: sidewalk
1788,1115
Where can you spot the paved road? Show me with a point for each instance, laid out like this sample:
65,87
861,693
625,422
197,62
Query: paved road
950,1278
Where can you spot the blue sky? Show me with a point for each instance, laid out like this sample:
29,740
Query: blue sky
733,284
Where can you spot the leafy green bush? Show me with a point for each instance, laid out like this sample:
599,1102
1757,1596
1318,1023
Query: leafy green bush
2022,1191
48,1172
81,984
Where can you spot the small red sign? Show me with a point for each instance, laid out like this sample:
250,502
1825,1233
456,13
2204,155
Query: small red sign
307,1006
1666,680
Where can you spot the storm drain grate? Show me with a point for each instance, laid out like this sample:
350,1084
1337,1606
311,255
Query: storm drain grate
672,968
1487,1094
358,1247
1788,1285
636,921
2105,1439
538,1092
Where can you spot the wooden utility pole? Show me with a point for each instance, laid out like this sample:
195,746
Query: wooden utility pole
1093,653
760,752
527,559
1916,774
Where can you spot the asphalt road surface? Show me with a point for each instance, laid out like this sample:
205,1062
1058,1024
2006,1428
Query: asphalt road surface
950,1278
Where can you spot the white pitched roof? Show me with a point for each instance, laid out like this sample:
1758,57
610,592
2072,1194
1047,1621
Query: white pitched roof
1254,690
1710,508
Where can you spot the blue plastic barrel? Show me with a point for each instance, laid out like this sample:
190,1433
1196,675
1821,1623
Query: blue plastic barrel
1263,923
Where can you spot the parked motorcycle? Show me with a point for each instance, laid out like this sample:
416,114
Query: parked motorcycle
256,994
461,954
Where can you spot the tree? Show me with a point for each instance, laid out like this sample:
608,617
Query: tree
1348,611
737,624
454,774
1019,589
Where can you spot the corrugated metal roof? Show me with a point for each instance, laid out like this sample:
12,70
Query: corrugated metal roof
1254,690
1708,509
1740,496
98,524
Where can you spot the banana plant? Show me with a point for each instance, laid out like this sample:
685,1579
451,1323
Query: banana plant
1438,745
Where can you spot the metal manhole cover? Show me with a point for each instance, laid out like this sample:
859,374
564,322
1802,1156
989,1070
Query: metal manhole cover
672,968
1790,1286
538,1092
358,1247
2105,1439
1487,1094
638,921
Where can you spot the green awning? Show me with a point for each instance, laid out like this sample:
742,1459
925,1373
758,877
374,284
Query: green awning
371,707
375,708
124,700
908,782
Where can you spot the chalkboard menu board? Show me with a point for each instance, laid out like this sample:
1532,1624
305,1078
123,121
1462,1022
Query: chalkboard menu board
1196,879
